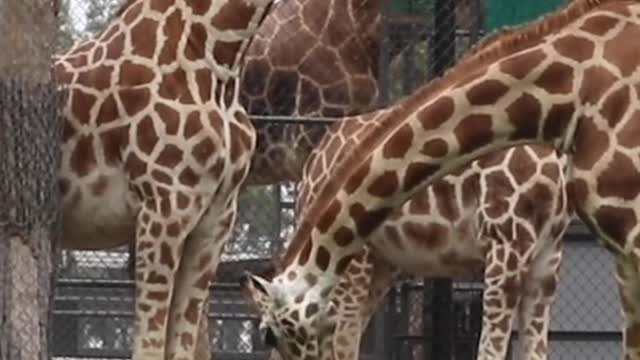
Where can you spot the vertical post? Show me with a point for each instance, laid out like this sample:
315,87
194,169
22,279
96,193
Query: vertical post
30,207
443,51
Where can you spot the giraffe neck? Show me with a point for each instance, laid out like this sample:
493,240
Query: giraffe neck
527,95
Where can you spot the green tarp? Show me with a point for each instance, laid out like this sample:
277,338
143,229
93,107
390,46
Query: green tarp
500,13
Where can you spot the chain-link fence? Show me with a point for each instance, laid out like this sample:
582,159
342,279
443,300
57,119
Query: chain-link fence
93,304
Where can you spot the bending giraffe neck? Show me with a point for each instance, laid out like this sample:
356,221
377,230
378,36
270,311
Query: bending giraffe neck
523,88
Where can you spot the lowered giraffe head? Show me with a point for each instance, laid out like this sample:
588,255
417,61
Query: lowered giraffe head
569,79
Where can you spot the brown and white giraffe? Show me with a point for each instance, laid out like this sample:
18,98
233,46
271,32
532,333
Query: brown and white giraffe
156,146
570,79
310,58
506,213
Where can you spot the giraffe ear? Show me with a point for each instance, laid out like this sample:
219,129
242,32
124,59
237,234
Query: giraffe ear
258,288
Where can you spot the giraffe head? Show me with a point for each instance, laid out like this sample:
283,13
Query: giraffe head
294,333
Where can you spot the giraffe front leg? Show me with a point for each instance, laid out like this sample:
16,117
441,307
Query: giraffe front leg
203,341
628,277
499,301
161,233
190,303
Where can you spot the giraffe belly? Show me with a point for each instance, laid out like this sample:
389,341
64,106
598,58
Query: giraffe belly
99,220
454,252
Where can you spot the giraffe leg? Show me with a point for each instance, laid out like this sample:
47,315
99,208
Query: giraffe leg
158,255
201,254
534,317
628,277
500,300
203,341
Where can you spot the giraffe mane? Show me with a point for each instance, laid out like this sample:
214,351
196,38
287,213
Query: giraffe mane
499,44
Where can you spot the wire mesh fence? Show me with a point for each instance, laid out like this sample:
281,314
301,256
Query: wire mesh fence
93,304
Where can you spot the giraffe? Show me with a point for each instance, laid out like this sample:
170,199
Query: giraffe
155,148
568,79
310,58
484,214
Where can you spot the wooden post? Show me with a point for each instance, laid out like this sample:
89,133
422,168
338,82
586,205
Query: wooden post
30,203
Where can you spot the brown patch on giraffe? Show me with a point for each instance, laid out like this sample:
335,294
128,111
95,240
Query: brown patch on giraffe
62,75
143,38
329,216
556,79
165,203
309,99
444,196
146,135
599,24
521,65
197,38
98,78
323,258
497,195
170,118
226,53
115,47
416,173
186,340
203,151
188,177
524,114
135,166
596,81
254,77
551,171
173,28
521,166
616,105
282,90
192,311
399,144
558,120
193,125
81,105
323,75
304,254
173,87
367,220
134,100
166,256
204,83
629,135
158,295
108,111
311,310
615,222
170,156
487,92
357,178
182,201
157,319
590,144
233,15
575,48
434,115
83,159
430,235
470,190
420,204
84,47
311,279
132,12
100,185
337,94
173,229
618,52
156,278
473,132
620,179
385,185
316,17
161,177
155,230
98,53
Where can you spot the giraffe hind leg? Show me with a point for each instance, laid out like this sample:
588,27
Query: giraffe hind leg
160,235
201,256
628,277
500,300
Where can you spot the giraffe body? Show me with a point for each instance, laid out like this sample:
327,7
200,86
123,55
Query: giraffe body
570,79
156,146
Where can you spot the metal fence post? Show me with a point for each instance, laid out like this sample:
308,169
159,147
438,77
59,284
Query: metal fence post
443,51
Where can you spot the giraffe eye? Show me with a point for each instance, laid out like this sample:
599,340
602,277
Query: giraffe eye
270,338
